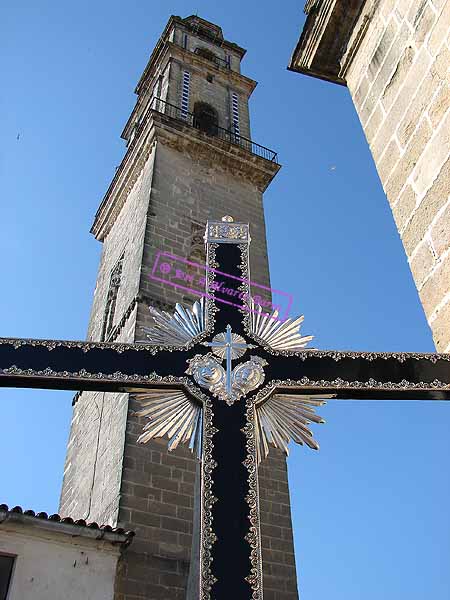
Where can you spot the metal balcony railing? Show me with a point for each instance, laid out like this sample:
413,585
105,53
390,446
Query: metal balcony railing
220,62
211,129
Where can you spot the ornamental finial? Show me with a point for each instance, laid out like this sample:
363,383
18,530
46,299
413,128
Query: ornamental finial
226,231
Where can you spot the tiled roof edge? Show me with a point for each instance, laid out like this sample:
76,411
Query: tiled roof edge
115,535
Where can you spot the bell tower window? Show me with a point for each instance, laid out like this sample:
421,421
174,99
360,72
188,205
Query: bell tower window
206,53
235,113
185,91
111,300
206,118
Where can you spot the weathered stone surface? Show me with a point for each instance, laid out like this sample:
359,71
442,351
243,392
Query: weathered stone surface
402,7
387,8
404,207
389,160
440,30
381,67
415,110
361,92
374,123
436,287
413,78
439,105
440,328
441,64
432,158
422,19
440,233
428,208
422,263
398,76
408,162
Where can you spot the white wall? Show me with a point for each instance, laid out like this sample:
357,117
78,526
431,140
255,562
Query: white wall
59,567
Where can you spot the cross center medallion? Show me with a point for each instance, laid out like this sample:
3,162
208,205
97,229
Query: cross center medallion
227,384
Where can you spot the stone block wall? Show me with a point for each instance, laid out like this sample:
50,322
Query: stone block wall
399,81
187,192
126,237
93,469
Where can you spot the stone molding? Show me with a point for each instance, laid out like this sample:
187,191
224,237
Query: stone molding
188,26
325,38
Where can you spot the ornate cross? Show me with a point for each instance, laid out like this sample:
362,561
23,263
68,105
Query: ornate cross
230,416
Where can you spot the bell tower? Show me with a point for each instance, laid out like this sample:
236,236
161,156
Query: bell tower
189,158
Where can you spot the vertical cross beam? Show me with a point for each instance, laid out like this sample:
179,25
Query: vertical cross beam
230,522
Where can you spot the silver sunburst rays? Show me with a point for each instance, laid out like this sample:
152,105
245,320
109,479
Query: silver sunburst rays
186,324
276,333
282,418
172,414
178,329
278,419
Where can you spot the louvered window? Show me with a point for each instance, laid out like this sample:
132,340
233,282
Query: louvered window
185,88
235,113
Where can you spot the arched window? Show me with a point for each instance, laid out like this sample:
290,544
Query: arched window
206,53
111,299
206,118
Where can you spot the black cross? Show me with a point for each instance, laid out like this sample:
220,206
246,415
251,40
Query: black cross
237,424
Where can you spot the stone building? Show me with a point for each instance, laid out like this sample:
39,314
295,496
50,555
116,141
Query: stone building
394,57
189,158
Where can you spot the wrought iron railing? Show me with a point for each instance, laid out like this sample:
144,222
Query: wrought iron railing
220,62
175,112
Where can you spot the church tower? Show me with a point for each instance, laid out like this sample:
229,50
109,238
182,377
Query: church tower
189,158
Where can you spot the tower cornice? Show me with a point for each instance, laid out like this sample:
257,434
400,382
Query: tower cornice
162,129
188,26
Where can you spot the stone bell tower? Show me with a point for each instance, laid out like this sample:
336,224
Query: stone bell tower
189,158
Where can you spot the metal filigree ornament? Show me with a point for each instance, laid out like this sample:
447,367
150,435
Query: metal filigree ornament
230,384
248,376
207,372
227,231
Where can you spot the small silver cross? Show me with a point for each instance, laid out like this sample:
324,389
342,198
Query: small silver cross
230,346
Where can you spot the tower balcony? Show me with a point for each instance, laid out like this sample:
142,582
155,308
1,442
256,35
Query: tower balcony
210,128
198,135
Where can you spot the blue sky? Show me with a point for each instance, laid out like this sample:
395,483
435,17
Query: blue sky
370,509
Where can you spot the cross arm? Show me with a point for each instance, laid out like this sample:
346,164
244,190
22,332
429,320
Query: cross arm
362,375
72,365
